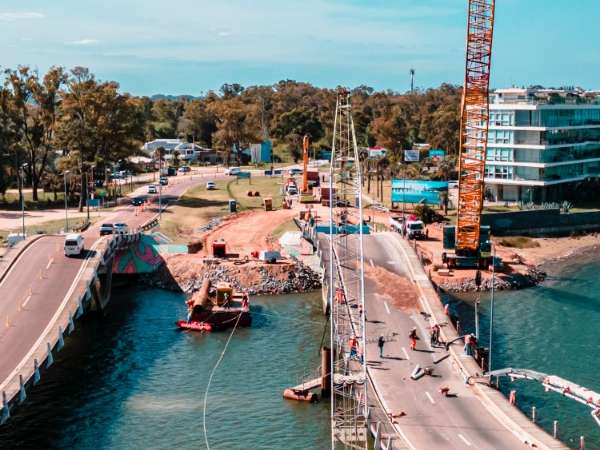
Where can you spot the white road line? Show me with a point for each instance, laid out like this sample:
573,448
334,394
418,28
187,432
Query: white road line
26,301
464,439
371,262
387,308
405,353
49,263
430,397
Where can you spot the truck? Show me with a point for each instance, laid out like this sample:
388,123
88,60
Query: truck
415,229
396,223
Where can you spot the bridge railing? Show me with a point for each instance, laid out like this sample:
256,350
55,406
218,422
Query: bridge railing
52,338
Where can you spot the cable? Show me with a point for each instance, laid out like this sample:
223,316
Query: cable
212,373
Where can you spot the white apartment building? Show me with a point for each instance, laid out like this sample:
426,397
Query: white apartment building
541,143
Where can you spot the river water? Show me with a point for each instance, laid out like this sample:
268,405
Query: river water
553,328
131,381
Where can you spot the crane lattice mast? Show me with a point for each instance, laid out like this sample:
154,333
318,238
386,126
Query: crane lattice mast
346,281
474,125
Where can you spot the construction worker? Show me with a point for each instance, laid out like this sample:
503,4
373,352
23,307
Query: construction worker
435,334
413,338
354,350
190,308
380,344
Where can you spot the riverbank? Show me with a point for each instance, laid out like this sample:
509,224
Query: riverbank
185,273
524,261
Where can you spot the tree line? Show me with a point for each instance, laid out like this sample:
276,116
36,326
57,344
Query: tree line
68,120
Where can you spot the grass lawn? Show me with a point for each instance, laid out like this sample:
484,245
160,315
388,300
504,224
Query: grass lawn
266,186
197,206
50,227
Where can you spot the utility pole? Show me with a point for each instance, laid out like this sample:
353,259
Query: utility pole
492,308
66,172
412,80
21,176
87,199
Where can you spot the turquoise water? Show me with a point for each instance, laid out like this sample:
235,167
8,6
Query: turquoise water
131,381
553,328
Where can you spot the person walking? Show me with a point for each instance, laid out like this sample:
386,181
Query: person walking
413,338
380,344
435,334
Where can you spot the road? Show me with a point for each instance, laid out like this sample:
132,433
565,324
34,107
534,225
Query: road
431,421
42,277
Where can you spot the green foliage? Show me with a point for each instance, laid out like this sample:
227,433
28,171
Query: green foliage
427,214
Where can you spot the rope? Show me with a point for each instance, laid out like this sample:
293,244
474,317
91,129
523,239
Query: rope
212,373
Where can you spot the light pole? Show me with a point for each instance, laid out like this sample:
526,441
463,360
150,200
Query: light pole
159,187
492,308
21,176
66,172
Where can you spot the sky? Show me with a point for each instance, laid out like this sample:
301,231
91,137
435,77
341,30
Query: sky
192,46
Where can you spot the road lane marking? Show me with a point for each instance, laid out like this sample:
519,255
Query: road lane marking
50,261
430,397
387,308
26,301
464,439
371,262
405,353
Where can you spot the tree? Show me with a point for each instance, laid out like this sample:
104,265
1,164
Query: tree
97,124
237,124
198,123
36,106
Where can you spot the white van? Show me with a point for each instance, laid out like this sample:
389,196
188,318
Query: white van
74,244
233,171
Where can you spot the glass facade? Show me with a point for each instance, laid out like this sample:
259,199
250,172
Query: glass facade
569,117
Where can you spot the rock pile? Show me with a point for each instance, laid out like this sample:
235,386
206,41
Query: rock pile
501,282
253,276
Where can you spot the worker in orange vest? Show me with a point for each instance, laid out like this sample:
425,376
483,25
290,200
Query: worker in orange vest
413,338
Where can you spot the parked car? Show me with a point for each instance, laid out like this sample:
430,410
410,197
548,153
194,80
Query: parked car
152,189
211,186
164,181
184,169
292,189
137,201
121,228
74,245
233,171
171,172
415,229
296,171
106,228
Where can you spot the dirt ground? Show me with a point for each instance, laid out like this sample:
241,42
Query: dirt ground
249,231
400,291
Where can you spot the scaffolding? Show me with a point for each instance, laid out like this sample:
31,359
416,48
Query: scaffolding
346,281
474,125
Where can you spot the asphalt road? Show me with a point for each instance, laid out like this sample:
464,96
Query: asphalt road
432,421
36,285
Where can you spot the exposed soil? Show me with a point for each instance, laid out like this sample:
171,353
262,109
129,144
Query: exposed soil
398,289
248,231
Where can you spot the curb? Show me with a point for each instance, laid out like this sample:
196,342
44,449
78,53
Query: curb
18,252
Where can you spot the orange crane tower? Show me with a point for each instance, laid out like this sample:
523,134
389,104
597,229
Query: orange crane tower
305,145
474,126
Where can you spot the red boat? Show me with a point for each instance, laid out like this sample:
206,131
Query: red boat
194,326
220,307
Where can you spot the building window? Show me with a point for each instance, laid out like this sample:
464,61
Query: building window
499,172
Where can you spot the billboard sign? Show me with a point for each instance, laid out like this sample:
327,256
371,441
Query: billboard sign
411,155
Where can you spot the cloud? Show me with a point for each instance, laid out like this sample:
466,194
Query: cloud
24,15
83,42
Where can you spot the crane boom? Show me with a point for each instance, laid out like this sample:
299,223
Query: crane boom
474,125
305,145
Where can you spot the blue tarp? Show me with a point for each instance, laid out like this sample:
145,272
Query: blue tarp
348,229
417,191
437,153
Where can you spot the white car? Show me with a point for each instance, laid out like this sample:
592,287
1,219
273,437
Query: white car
74,244
152,189
210,186
292,190
121,228
233,171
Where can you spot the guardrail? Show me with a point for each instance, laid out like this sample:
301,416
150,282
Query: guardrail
63,321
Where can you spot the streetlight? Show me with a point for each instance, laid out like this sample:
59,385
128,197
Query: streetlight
21,176
492,307
65,173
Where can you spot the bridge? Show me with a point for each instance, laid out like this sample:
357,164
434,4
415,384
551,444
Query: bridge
43,293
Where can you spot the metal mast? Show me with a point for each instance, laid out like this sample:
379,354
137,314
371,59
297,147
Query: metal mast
474,125
347,291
